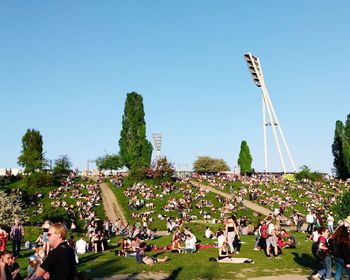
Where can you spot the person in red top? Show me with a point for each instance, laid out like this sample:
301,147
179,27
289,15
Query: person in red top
327,261
3,239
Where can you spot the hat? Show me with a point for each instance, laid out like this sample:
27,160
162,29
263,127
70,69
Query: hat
32,258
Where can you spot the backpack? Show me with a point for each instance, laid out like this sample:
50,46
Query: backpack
264,231
317,252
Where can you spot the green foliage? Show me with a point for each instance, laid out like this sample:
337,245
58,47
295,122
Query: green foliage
245,159
32,156
135,150
39,179
62,167
206,164
109,162
342,207
7,180
306,173
161,170
341,149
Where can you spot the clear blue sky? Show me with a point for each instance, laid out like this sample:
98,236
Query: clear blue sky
66,67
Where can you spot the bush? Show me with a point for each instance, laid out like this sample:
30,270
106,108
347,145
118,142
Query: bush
39,179
306,173
7,180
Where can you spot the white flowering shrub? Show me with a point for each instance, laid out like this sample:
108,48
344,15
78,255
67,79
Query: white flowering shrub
10,210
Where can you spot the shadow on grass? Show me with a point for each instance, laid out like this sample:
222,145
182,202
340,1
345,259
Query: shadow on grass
174,274
105,269
89,258
306,261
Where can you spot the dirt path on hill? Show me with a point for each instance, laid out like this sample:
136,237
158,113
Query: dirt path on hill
110,204
246,203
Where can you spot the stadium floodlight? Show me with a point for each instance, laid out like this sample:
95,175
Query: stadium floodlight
157,140
254,67
256,72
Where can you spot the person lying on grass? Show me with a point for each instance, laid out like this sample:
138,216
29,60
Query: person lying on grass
225,258
142,258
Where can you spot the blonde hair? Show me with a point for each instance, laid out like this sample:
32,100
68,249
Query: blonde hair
59,229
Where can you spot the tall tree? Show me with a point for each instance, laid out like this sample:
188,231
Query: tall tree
245,159
346,147
135,150
337,150
341,149
32,156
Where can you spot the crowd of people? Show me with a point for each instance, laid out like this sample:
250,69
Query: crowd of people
180,203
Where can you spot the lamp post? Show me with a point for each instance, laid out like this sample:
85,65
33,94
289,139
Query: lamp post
256,72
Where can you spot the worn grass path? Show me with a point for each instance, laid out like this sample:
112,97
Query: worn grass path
253,206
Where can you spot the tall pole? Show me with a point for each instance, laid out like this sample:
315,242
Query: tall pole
264,129
273,124
257,75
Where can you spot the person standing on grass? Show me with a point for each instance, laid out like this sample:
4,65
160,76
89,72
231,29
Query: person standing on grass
60,262
17,235
3,239
340,249
327,261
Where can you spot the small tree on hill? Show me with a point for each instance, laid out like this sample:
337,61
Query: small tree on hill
306,173
135,150
32,156
245,159
62,167
109,162
206,164
161,169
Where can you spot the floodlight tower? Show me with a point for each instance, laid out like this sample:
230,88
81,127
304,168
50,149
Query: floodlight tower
157,140
257,75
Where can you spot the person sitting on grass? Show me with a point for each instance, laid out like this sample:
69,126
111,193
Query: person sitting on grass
175,245
190,243
225,258
142,258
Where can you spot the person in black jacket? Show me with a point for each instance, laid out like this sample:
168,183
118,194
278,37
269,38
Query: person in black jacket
60,262
339,245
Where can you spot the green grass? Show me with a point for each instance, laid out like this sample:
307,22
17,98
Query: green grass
191,266
197,266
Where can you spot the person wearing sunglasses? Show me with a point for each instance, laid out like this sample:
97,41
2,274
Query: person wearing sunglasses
60,262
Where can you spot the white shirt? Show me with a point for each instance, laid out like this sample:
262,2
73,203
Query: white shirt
208,233
81,246
309,218
221,240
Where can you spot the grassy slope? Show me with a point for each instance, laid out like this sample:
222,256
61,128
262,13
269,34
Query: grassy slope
190,266
197,266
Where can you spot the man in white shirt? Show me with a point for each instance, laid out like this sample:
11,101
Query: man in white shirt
330,222
81,245
310,222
